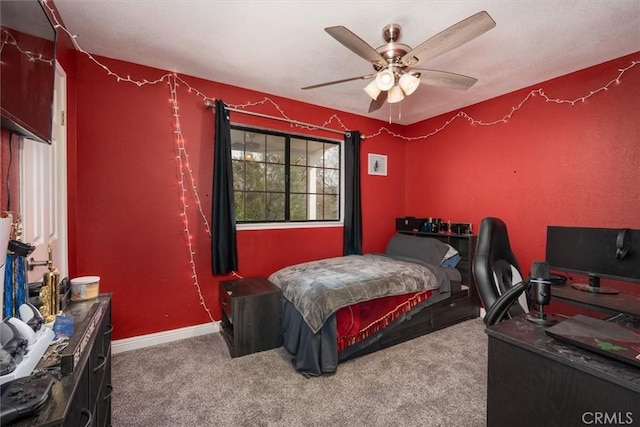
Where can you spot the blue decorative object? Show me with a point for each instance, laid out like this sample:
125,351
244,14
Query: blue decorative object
16,290
8,287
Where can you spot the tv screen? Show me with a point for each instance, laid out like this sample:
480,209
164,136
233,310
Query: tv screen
27,68
594,252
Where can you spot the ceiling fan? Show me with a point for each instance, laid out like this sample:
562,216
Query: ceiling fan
394,62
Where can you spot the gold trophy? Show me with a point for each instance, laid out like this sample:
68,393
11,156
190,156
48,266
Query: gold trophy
50,291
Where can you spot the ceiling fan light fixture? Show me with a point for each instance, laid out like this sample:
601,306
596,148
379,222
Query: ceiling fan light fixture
395,95
393,78
385,79
409,83
372,90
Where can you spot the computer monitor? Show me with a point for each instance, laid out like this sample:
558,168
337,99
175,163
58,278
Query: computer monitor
611,253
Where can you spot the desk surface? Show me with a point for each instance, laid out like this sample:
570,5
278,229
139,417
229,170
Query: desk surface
528,335
617,303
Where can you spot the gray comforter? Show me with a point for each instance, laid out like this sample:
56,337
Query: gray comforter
319,288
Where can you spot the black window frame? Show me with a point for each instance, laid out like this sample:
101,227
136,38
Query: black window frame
287,168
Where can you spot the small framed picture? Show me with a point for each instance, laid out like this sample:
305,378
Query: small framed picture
377,164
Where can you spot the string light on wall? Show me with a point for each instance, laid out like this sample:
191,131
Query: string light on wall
264,101
8,39
183,163
507,117
461,114
182,158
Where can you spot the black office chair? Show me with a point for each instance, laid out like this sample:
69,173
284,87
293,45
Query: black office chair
497,273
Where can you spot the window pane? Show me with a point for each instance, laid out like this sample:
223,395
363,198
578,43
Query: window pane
319,180
316,152
319,207
331,207
255,146
298,151
275,178
275,149
298,179
238,197
331,181
298,207
237,144
254,176
254,207
238,174
275,207
332,156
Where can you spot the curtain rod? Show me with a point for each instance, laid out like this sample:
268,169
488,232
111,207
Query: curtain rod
209,104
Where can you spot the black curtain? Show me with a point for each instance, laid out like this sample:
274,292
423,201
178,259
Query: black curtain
224,253
352,244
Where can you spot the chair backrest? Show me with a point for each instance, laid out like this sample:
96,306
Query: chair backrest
495,267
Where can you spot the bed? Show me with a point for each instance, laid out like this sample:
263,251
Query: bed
340,308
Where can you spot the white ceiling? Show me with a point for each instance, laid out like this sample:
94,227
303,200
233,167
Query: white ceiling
277,47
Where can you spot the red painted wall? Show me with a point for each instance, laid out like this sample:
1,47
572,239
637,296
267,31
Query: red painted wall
550,164
128,227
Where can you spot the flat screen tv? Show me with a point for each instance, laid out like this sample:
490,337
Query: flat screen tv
611,253
27,68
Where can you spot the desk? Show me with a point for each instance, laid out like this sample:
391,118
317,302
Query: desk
618,303
535,380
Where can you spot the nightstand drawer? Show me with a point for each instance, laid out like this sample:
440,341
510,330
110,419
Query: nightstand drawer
226,303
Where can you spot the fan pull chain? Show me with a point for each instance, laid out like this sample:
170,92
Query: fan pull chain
399,111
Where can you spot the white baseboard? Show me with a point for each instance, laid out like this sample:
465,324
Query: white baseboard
142,341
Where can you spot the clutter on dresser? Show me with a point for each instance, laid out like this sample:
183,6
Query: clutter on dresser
71,384
85,288
24,339
55,353
22,397
50,291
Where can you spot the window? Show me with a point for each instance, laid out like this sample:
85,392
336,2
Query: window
279,177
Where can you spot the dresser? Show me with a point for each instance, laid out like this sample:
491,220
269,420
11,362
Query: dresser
82,396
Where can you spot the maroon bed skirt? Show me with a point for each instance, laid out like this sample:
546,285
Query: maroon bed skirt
359,321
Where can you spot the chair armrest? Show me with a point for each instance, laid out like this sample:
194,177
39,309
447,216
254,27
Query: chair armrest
502,304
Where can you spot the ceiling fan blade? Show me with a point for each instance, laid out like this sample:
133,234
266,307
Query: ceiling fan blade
376,104
454,36
368,76
356,44
445,79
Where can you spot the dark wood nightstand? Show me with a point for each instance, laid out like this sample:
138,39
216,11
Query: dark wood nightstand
251,315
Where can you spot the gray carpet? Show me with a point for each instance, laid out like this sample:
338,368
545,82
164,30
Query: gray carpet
435,380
